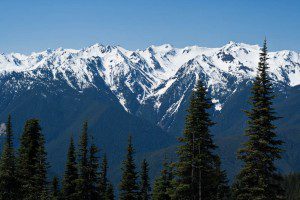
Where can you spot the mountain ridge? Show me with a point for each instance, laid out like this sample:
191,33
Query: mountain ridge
145,93
143,78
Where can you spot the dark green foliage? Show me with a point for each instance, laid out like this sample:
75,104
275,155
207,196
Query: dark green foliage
223,190
145,182
197,166
8,179
71,174
41,169
93,167
128,186
109,195
163,184
31,165
106,190
55,191
103,177
291,185
258,178
82,183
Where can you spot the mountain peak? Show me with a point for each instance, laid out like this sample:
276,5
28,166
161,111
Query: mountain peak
150,68
233,46
161,48
159,76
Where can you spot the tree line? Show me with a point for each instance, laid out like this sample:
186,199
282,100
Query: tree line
196,174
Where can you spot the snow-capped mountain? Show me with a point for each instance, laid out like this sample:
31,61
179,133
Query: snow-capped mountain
145,93
153,82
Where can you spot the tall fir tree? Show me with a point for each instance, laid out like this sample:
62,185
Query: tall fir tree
162,189
31,165
8,179
82,183
223,189
106,190
71,174
196,168
103,182
55,190
41,169
291,185
109,195
93,170
258,178
128,186
145,188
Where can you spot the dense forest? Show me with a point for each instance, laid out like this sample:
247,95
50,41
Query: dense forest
196,174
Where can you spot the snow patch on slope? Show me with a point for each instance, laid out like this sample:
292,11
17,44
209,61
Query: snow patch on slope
151,73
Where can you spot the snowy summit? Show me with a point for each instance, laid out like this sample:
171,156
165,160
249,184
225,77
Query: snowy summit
150,76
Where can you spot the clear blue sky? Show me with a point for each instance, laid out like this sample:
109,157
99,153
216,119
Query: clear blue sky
35,25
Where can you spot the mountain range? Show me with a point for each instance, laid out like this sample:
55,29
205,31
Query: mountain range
145,93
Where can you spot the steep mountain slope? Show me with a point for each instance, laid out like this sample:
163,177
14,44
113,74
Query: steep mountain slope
154,82
145,93
62,110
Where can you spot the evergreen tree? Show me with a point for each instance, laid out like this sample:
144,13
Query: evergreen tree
223,190
196,168
83,185
291,185
145,182
71,174
55,192
163,184
103,183
31,165
106,190
128,185
41,169
8,179
109,195
258,178
93,173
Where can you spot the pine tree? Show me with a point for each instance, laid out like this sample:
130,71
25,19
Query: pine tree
109,195
291,185
8,179
55,192
103,183
163,184
128,185
71,174
83,184
41,169
223,190
106,190
31,165
258,178
196,168
93,173
145,182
